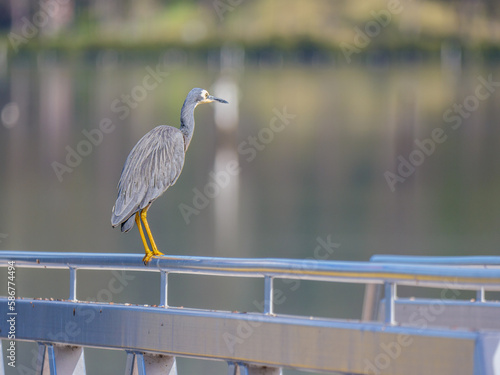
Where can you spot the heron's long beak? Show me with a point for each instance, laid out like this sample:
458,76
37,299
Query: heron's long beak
213,98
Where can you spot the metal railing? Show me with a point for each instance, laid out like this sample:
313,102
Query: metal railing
476,314
478,261
153,336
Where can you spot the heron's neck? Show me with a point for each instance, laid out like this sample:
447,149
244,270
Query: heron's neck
187,122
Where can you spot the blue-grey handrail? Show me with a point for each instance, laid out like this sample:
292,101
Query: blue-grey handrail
446,260
373,292
345,271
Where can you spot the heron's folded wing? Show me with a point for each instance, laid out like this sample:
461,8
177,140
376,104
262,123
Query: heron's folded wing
152,166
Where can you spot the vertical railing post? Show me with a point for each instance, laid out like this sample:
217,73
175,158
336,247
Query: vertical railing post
268,295
164,289
72,284
390,296
480,295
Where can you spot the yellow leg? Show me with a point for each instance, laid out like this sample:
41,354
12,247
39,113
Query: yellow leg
144,214
149,254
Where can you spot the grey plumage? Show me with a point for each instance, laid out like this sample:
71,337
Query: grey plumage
155,163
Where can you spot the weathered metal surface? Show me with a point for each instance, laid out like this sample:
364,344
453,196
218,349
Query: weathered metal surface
264,340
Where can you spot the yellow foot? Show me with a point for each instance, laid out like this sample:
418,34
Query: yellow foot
147,258
149,255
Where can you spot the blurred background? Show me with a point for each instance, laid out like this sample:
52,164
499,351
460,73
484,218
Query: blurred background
370,124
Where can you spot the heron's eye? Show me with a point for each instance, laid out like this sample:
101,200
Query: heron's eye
206,94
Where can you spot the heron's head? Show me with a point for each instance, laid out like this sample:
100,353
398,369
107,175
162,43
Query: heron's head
200,96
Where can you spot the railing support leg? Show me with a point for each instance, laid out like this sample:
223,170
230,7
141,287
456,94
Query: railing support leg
244,369
51,359
232,368
54,359
40,358
129,367
150,364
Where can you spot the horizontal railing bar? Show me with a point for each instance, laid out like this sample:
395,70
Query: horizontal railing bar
445,260
62,260
342,271
447,302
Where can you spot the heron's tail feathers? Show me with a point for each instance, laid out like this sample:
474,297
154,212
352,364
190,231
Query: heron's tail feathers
129,224
124,216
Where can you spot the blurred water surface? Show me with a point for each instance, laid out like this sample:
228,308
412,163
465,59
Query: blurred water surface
300,156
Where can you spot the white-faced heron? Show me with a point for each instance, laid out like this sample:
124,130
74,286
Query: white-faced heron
153,165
